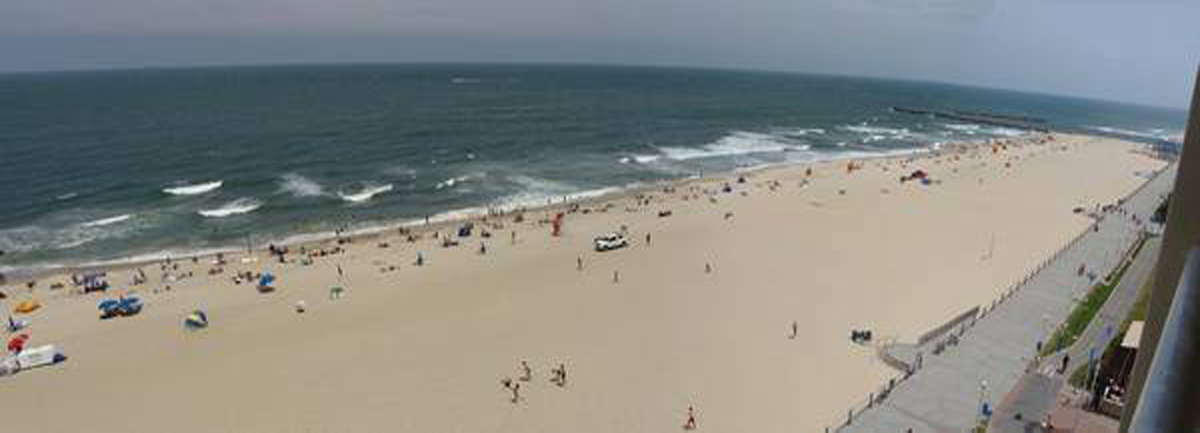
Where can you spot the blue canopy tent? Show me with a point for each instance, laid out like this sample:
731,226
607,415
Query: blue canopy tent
109,308
130,305
124,306
266,283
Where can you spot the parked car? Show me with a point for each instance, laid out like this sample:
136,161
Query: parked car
610,241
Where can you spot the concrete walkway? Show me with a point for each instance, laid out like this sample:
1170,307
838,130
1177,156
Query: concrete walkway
946,392
1033,396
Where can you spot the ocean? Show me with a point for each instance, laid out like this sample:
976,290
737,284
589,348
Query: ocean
117,165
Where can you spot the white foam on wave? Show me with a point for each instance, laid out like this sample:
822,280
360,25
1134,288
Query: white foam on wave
195,189
966,128
107,221
640,159
366,193
878,132
65,231
1154,133
300,186
456,180
798,132
1006,132
736,143
236,207
75,243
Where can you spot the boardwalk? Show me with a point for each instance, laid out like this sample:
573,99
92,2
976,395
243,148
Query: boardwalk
1034,395
946,393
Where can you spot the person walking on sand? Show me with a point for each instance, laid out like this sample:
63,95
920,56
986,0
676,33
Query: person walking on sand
526,372
579,263
514,237
690,424
513,387
708,268
795,331
647,238
341,275
616,277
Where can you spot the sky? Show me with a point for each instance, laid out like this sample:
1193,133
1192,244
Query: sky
1137,51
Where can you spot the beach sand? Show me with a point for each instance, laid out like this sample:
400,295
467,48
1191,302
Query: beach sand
424,348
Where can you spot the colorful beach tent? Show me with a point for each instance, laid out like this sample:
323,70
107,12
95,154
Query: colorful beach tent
267,279
28,306
196,320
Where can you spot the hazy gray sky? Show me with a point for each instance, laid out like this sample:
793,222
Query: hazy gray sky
1137,51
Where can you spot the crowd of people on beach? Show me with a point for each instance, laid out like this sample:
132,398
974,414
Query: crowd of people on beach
496,221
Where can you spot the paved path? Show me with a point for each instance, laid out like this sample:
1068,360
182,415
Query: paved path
1033,396
1106,324
946,392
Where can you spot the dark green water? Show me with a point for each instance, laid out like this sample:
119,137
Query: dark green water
92,160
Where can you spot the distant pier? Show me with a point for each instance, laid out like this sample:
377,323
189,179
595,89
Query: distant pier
1002,120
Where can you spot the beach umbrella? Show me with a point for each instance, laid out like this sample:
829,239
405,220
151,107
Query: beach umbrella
26,307
336,292
17,343
196,320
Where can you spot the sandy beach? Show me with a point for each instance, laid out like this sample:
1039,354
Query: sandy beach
697,314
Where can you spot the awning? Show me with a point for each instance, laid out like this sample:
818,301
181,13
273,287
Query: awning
1133,336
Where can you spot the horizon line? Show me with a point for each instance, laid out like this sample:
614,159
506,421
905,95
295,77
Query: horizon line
282,64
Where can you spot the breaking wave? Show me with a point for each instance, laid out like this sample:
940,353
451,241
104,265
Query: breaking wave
107,221
456,180
300,186
196,189
368,192
736,143
1156,133
236,207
